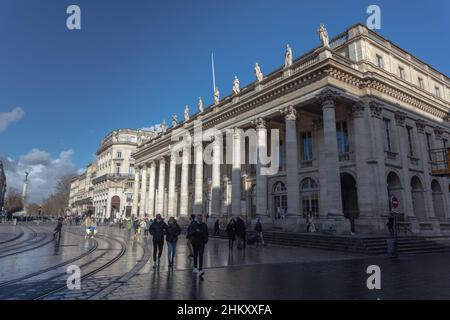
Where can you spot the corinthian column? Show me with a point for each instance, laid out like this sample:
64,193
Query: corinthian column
134,210
198,188
261,179
215,179
184,192
236,175
172,181
292,182
327,99
143,209
151,189
161,186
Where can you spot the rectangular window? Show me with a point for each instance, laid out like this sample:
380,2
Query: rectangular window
118,168
428,135
445,143
342,137
119,154
307,150
401,73
420,82
437,92
387,135
410,141
379,61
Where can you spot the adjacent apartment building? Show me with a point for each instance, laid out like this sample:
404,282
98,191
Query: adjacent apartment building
106,187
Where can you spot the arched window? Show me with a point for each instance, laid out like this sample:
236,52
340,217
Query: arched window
310,197
279,198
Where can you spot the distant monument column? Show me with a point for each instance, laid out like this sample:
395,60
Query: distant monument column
25,192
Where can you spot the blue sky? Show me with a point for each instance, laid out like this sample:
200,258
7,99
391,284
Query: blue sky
134,63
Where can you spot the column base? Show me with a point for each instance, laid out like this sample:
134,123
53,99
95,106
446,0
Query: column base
336,224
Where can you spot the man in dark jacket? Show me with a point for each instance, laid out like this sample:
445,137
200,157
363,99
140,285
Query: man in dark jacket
198,234
158,229
240,233
258,229
188,235
58,229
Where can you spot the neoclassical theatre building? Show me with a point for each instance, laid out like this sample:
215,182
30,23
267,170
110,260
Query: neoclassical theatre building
359,121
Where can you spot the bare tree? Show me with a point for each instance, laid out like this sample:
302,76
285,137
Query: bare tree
56,203
33,209
13,201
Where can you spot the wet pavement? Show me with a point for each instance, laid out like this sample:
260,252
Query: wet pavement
113,266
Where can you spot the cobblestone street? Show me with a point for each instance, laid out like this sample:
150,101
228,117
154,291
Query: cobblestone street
115,267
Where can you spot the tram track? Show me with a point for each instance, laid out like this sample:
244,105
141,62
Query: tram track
43,271
21,233
87,275
25,247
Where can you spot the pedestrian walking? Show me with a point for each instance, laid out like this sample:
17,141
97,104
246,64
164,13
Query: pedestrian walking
310,226
216,228
158,229
199,238
231,232
58,229
390,224
259,232
240,233
173,231
143,228
188,241
129,227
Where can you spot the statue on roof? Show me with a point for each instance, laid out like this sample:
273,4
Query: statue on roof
174,120
288,57
323,34
200,104
236,84
216,96
186,113
258,73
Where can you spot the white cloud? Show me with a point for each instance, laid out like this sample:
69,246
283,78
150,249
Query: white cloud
6,118
44,170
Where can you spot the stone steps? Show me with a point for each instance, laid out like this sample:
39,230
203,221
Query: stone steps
374,245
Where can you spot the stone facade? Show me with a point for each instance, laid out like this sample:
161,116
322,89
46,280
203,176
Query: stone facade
357,120
2,185
107,187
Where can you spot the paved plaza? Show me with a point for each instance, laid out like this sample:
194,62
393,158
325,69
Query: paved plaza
33,266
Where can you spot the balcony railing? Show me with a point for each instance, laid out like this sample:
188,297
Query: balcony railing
391,155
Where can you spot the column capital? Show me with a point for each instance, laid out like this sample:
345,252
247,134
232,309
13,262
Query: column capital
328,97
289,113
376,109
400,118
438,131
358,109
421,124
259,123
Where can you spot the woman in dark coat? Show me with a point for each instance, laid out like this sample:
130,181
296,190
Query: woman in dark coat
231,232
172,233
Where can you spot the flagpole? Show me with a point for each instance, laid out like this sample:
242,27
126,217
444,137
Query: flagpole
213,72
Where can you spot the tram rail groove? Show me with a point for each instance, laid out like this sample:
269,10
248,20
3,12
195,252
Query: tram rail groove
89,274
14,238
40,272
27,246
